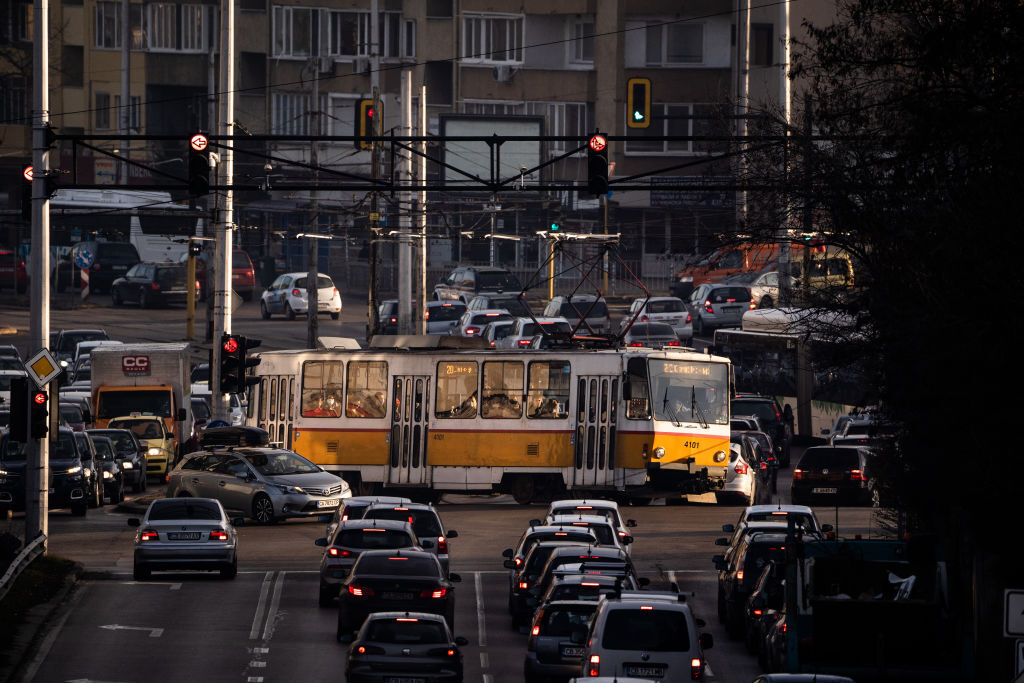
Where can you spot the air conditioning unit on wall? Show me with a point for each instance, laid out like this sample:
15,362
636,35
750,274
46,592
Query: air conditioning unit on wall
503,73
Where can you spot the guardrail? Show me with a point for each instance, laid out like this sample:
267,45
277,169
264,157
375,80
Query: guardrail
24,559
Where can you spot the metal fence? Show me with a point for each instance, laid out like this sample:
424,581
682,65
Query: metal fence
24,559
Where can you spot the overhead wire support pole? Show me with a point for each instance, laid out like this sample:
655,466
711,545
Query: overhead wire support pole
312,291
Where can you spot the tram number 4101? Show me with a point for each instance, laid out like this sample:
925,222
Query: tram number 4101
691,444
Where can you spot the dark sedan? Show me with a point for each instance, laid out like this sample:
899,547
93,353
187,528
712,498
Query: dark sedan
151,284
131,455
110,470
69,487
405,646
833,475
391,580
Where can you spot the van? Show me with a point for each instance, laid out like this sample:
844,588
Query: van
724,262
829,269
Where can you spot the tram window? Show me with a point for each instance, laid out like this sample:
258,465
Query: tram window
547,395
456,390
273,399
250,401
636,392
502,391
367,388
321,388
263,400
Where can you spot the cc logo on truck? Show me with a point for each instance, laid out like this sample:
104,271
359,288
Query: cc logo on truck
135,364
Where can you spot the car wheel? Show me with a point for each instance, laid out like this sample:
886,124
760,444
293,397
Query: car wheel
288,312
335,316
144,300
263,509
327,595
264,313
115,297
140,572
766,302
230,571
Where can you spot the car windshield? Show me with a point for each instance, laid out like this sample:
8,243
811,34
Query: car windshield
277,463
646,630
200,409
114,403
537,558
504,281
665,306
144,429
182,508
104,449
170,276
514,306
424,522
603,532
372,539
14,451
69,340
562,620
397,564
689,391
720,295
764,410
589,590
122,441
801,519
322,282
71,414
445,312
10,363
832,458
575,309
406,631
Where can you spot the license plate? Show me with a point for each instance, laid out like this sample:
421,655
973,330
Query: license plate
824,490
120,268
406,680
396,596
183,536
332,503
656,671
572,651
730,309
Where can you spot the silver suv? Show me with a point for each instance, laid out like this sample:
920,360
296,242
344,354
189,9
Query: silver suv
645,634
574,307
466,282
426,524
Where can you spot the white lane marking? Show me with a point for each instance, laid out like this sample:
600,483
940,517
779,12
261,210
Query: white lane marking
484,661
488,678
153,632
272,613
481,631
672,578
260,650
256,664
257,619
173,586
707,669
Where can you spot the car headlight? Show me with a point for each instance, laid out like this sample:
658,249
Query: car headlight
287,489
154,451
107,474
659,452
127,465
74,470
719,456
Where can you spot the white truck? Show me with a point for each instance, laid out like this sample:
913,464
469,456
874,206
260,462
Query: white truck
134,383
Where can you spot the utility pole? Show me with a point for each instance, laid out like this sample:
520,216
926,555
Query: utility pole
374,167
421,324
226,170
312,291
125,113
404,219
785,293
38,477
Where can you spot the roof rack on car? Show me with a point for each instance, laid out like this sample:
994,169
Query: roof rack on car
234,436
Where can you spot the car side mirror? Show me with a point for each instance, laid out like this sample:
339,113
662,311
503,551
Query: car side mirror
452,533
507,552
728,528
827,528
535,522
427,545
461,642
454,578
322,542
509,564
721,541
719,562
643,582
134,521
630,522
626,540
707,641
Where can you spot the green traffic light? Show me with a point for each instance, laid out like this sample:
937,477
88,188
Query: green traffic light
638,116
555,227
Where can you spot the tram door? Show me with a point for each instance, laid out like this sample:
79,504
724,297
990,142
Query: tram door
408,459
277,408
595,430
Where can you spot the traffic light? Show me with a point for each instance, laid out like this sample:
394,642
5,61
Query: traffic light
244,380
19,409
555,225
638,102
195,248
198,172
597,165
232,362
40,414
367,122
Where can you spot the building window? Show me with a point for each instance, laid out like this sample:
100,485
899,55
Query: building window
562,118
676,120
16,22
193,28
296,32
102,112
289,113
674,43
349,34
583,41
163,26
14,100
135,121
761,44
108,25
492,39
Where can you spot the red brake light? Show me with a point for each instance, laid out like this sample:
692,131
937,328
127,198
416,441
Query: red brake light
741,468
442,544
798,474
155,286
359,591
695,668
674,342
535,631
643,318
757,613
436,593
218,535
857,475
149,535
739,575
689,318
635,344
518,561
594,669
525,342
471,330
296,292
707,306
523,585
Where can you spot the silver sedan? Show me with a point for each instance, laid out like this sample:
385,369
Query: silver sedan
185,533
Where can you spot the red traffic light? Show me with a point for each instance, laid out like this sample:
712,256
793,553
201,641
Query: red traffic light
369,112
231,345
598,142
39,397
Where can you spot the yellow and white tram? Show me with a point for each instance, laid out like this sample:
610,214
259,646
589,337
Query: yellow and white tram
633,423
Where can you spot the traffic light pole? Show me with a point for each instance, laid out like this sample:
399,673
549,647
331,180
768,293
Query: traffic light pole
37,476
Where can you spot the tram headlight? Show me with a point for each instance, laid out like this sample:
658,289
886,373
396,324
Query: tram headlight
719,456
659,452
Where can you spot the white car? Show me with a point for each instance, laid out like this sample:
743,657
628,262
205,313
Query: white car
472,323
669,310
202,390
588,506
525,329
494,332
739,478
287,295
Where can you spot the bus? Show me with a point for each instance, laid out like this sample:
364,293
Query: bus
784,353
631,424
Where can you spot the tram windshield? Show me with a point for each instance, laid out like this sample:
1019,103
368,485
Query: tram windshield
689,391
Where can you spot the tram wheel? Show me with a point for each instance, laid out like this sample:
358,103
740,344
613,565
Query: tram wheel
523,490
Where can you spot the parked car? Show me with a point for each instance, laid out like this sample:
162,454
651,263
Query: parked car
466,282
130,454
287,295
67,340
109,468
574,308
773,419
669,310
111,260
185,533
349,540
472,323
645,634
390,645
525,329
150,285
834,475
390,580
653,335
70,487
267,484
718,305
243,275
12,271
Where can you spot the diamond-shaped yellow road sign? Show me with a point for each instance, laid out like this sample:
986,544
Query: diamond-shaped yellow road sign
42,368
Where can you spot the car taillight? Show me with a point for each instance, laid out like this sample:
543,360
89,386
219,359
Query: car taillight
335,552
436,593
218,535
369,650
674,342
857,475
643,318
535,631
442,652
442,545
798,474
689,318
739,575
335,292
707,306
359,591
518,561
636,344
155,286
523,585
525,342
95,266
470,331
741,467
594,670
757,613
296,292
695,668
149,535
